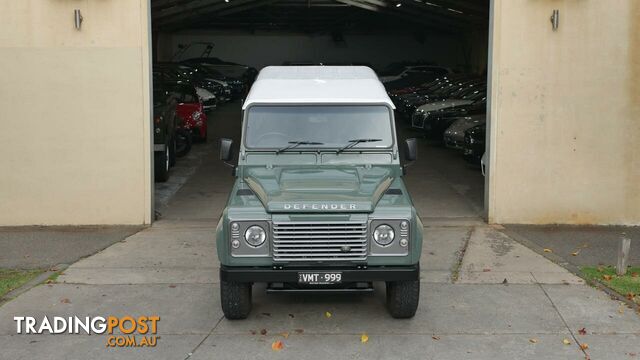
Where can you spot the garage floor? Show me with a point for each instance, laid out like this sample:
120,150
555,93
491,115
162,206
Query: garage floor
499,300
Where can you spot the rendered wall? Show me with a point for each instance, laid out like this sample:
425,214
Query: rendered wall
74,113
565,112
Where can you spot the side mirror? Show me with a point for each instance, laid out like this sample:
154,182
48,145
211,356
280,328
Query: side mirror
411,149
225,150
410,153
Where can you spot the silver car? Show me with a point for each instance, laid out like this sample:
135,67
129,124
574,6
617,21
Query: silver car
454,135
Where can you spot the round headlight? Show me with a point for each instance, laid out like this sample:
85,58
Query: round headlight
255,236
196,115
383,235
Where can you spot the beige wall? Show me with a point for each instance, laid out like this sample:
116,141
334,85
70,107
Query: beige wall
74,113
565,113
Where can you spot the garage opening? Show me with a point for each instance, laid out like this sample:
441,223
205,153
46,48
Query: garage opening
431,56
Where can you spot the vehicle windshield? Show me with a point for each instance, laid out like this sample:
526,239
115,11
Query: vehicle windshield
334,126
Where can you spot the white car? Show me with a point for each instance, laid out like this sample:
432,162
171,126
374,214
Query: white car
419,117
454,135
208,98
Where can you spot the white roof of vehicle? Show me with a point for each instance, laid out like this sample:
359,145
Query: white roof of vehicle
317,85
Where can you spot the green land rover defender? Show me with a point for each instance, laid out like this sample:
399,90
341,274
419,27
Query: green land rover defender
319,203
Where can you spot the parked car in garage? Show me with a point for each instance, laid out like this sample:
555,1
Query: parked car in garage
439,121
413,78
453,137
239,77
190,109
413,70
426,116
474,144
164,134
200,79
209,99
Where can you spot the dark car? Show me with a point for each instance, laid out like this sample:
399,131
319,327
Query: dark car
174,72
239,77
164,133
474,143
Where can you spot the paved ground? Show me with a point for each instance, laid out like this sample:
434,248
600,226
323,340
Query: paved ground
467,310
593,245
44,247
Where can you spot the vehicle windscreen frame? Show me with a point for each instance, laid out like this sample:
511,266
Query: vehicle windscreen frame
391,147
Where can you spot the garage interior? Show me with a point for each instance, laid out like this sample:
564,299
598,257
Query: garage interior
385,35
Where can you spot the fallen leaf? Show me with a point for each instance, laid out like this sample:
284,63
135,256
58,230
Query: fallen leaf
277,345
575,253
364,338
600,268
49,281
65,301
435,337
327,314
299,331
584,346
263,332
505,281
172,286
291,316
607,277
533,341
635,274
566,342
631,296
266,314
621,309
486,270
582,331
253,332
284,334
547,250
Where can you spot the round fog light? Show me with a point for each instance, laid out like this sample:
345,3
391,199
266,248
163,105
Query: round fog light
404,242
235,244
235,227
404,225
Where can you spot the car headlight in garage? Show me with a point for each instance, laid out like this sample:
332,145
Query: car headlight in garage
255,236
384,234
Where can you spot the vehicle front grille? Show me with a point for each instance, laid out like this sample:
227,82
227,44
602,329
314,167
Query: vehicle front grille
319,241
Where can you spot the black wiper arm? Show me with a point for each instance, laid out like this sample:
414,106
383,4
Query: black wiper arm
355,142
295,144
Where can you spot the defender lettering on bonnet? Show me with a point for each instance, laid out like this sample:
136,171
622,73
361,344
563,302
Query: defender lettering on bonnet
320,206
318,152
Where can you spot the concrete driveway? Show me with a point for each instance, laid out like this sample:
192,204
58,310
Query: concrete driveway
483,295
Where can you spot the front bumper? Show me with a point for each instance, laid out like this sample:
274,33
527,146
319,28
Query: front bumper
349,274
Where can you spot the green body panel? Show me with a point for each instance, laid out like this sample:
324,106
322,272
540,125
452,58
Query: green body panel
360,179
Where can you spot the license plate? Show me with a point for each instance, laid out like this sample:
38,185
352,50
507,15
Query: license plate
319,278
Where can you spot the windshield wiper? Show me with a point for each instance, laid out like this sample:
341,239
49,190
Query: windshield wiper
295,144
355,142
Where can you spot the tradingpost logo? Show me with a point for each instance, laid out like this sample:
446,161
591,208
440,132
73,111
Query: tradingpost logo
129,331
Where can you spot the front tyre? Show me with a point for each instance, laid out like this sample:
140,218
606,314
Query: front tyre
403,298
236,299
